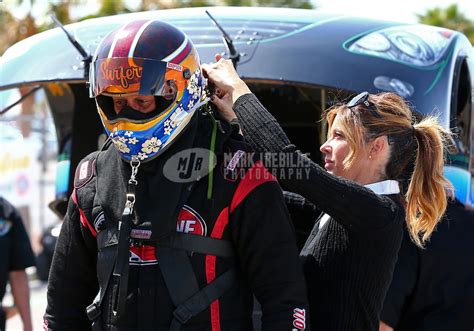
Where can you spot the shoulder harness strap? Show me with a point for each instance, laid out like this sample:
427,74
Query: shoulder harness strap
172,252
107,240
183,288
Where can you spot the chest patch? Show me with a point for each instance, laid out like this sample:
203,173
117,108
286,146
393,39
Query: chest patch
235,160
5,226
142,255
84,173
189,221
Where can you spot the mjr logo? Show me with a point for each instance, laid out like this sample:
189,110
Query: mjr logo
188,164
189,221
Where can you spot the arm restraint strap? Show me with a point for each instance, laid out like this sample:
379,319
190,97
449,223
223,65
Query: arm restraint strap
198,244
183,288
178,273
203,299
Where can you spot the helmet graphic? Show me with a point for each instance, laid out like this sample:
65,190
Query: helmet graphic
148,58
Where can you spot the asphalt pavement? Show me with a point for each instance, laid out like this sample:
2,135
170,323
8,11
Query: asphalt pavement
37,303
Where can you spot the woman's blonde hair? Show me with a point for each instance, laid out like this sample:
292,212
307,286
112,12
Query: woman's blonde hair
417,155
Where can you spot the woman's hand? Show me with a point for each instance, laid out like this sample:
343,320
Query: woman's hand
224,106
224,78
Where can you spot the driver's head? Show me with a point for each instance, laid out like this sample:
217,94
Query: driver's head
147,82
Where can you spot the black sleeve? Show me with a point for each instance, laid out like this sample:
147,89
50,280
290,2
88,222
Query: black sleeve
347,202
266,247
259,127
403,283
72,283
21,256
297,201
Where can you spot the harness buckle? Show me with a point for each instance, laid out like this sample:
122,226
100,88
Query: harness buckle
93,311
129,203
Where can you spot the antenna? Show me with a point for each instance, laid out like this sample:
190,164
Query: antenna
233,54
86,58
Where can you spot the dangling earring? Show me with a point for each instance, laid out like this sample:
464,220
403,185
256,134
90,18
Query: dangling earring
370,156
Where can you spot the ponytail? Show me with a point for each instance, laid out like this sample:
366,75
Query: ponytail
426,196
416,155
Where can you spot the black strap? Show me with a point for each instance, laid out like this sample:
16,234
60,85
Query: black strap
203,299
183,287
107,254
175,265
105,265
121,266
198,244
112,257
178,274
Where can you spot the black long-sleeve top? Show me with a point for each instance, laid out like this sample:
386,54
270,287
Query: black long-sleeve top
349,262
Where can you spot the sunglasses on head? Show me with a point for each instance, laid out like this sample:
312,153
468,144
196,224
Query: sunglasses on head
362,99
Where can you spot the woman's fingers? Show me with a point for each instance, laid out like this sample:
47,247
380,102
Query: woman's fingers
224,106
219,92
224,79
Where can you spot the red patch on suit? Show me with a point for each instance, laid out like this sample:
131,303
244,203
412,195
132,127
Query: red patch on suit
189,221
142,255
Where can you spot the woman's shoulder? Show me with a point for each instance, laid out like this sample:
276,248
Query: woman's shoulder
387,214
397,201
396,204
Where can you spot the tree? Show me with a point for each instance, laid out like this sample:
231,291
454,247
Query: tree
13,30
108,8
305,4
451,18
302,4
189,3
112,7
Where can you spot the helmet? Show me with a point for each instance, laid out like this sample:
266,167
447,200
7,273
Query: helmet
152,58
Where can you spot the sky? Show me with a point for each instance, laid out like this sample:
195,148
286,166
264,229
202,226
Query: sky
396,10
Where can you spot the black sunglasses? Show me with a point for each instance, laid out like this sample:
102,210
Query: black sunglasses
363,99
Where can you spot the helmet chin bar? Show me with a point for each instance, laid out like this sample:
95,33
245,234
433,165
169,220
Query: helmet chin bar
176,135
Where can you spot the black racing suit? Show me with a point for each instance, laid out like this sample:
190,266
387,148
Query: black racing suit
246,208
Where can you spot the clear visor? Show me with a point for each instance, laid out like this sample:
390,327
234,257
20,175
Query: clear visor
123,76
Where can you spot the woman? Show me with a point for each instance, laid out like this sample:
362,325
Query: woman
372,145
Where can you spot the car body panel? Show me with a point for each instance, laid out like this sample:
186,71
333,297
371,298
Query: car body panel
288,47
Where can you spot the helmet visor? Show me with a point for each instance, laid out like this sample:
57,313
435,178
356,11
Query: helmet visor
122,76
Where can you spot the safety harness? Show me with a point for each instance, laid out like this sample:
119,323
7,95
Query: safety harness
172,251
